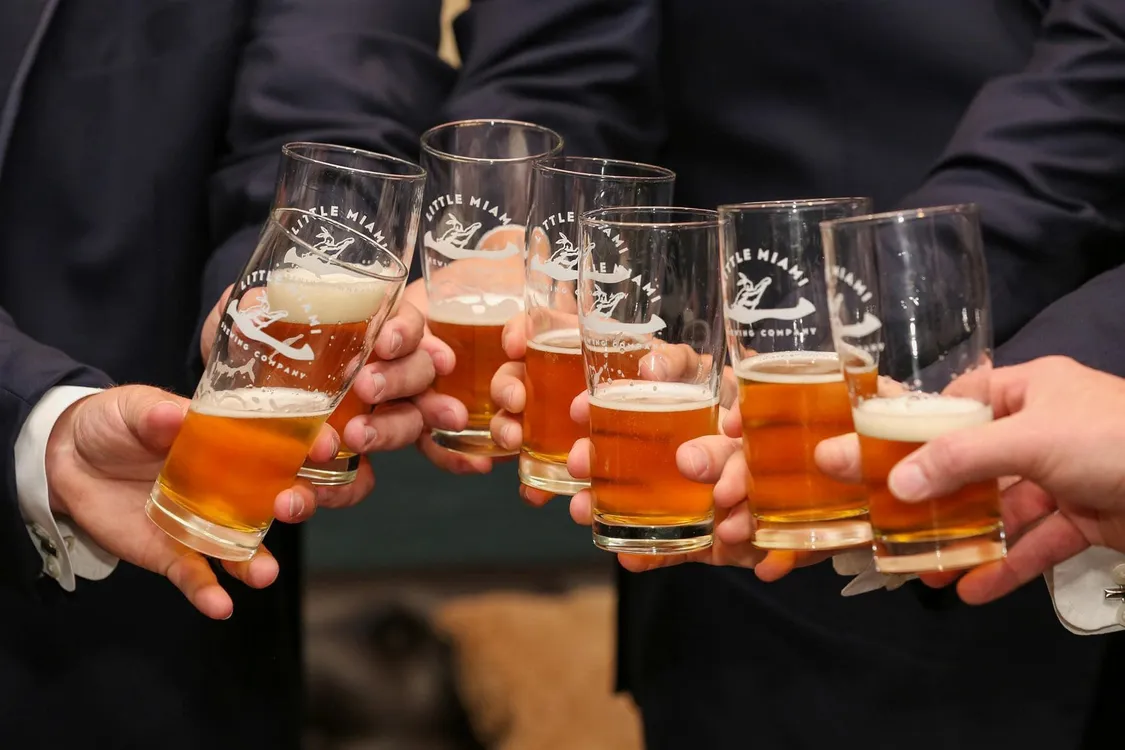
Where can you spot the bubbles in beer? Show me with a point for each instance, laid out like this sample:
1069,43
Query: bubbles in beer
326,299
918,417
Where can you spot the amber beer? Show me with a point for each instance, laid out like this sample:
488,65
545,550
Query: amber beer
635,429
472,328
957,531
789,402
236,451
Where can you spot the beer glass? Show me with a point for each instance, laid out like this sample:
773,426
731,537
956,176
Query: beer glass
791,390
300,323
473,249
562,188
377,195
912,326
650,315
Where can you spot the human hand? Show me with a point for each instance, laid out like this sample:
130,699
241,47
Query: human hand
103,456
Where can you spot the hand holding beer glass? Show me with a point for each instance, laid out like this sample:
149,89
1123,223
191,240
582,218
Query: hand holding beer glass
650,315
472,255
376,195
298,326
547,337
912,326
791,387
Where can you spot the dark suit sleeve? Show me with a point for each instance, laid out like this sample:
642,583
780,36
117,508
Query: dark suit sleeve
351,72
1043,154
587,68
1087,324
27,370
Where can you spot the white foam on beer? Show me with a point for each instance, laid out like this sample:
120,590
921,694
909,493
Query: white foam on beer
746,371
262,402
563,341
918,418
310,298
476,309
650,396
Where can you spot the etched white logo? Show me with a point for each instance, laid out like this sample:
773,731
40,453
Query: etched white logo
744,307
562,264
252,321
599,318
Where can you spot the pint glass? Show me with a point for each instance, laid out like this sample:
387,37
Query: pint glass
562,188
791,390
378,196
473,248
300,323
650,315
911,321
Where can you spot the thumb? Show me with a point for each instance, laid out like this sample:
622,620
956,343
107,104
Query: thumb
976,454
152,415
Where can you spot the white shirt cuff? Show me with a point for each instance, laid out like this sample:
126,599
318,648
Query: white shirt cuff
66,550
1078,588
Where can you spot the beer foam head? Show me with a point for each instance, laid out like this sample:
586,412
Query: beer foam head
650,396
314,299
262,402
563,341
476,310
796,368
918,417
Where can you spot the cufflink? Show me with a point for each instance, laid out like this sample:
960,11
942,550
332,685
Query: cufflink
1119,574
45,542
1117,592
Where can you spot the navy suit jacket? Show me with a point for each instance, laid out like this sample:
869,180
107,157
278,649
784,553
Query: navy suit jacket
139,142
780,99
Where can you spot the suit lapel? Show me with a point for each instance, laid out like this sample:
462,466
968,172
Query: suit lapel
23,24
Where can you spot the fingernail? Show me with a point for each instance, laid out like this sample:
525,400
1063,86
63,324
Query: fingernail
696,459
378,382
447,419
396,342
296,505
504,341
508,435
441,361
908,482
507,396
658,368
369,435
229,616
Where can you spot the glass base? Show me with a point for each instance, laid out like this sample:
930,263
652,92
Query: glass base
472,442
935,556
652,540
339,471
809,535
200,534
549,476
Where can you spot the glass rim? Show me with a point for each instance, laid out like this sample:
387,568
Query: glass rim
906,215
403,272
795,204
445,126
656,174
701,217
291,151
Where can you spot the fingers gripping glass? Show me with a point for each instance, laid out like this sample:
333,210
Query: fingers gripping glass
376,195
562,189
912,326
473,245
650,315
791,389
299,325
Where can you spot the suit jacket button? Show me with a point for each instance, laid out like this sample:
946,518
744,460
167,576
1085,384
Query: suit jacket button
53,568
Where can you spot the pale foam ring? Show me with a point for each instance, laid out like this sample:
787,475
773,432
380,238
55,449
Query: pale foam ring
747,368
240,403
564,341
476,310
649,396
309,298
918,418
